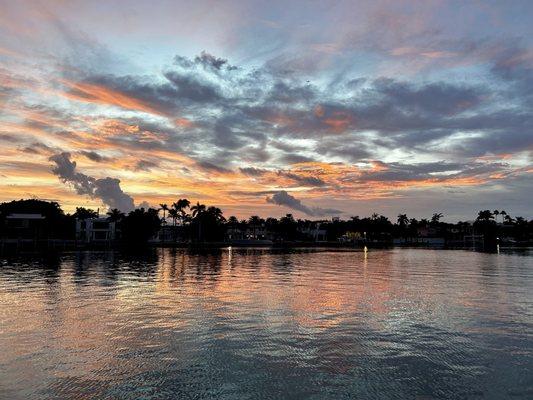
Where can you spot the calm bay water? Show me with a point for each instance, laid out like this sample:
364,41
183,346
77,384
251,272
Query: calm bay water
262,324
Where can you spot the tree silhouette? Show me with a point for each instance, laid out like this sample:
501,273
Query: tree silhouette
164,208
485,215
215,213
403,220
503,213
140,225
435,218
84,213
232,221
198,210
172,213
115,215
180,206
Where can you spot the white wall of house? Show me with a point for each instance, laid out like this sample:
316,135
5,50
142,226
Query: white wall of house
95,230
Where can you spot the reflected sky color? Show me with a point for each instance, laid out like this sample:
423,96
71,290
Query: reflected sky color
256,323
351,107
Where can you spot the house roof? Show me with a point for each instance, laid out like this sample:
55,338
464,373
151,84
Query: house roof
25,216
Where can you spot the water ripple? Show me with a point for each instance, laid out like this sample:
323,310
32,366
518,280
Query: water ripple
269,324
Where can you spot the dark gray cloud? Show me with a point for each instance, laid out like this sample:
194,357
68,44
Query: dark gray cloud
106,189
145,165
294,158
210,61
38,148
302,180
352,149
439,98
399,172
10,138
207,165
282,198
254,172
192,88
94,156
205,60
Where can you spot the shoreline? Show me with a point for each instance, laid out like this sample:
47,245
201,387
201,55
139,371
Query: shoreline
59,246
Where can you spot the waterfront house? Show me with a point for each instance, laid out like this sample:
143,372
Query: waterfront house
170,234
95,230
314,232
24,226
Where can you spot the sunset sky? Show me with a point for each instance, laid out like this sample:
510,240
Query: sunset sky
319,108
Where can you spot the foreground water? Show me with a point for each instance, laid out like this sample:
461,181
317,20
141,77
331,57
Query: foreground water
260,324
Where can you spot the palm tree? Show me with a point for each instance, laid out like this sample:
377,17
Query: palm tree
173,213
198,210
216,213
85,213
503,213
254,222
233,221
485,215
436,218
180,207
403,220
115,215
164,207
520,220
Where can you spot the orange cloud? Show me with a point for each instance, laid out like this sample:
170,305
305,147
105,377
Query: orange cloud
183,123
336,121
94,93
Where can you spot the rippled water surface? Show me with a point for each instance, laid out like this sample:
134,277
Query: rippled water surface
263,324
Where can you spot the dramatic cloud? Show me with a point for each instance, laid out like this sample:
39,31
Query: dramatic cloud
282,198
384,105
106,189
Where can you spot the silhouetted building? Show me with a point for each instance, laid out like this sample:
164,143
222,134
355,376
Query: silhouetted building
95,230
170,234
24,226
315,233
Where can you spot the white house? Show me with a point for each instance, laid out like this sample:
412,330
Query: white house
95,230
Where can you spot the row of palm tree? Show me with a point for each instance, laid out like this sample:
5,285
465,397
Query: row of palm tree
487,215
176,211
203,222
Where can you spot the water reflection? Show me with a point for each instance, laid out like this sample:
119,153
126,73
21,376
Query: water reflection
256,323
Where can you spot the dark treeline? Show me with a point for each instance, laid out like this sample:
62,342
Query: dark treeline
186,222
